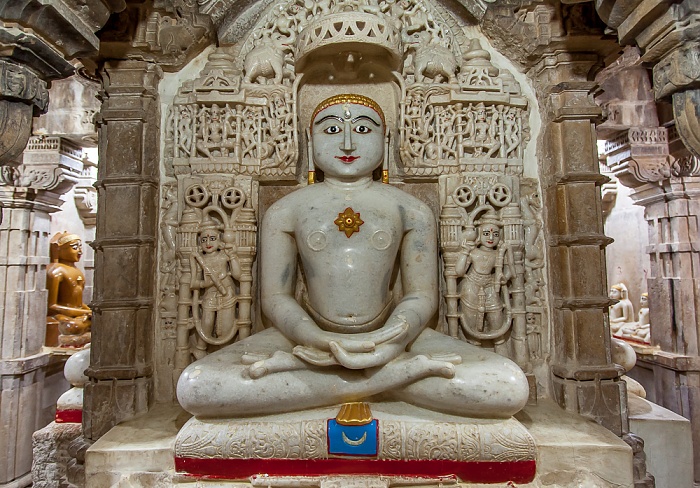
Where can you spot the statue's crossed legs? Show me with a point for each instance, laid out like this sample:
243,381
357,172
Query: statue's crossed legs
260,375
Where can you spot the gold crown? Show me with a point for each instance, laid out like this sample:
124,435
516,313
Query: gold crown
349,98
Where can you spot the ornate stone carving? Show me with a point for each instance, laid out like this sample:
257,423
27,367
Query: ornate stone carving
639,155
493,280
50,163
686,166
21,84
215,127
476,124
408,439
206,258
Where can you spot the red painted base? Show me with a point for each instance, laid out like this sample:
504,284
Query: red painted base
69,416
472,472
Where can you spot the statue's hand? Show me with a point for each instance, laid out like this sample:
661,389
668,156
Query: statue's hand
314,356
379,357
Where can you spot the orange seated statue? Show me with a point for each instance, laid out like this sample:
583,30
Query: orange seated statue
68,318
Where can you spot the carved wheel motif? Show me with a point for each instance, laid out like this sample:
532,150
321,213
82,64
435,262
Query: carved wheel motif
196,196
464,196
232,198
500,195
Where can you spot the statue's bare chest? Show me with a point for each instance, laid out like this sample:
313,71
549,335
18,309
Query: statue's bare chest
340,228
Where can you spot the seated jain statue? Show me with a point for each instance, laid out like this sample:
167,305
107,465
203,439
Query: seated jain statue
68,319
621,313
350,339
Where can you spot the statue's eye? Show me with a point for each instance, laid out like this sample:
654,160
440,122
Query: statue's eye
333,129
362,129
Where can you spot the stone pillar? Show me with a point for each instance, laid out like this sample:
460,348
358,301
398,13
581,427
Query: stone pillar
121,378
24,255
584,378
85,196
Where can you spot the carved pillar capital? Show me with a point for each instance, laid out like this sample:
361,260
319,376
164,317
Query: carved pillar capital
667,34
85,194
49,163
22,95
639,155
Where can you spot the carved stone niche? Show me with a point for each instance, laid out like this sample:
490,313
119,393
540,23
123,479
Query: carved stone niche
449,109
207,292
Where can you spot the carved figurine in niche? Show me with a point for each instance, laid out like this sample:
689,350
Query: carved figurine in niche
68,317
480,134
483,292
350,338
216,130
213,288
622,312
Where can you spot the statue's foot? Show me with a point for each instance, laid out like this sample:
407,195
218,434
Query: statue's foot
434,365
261,365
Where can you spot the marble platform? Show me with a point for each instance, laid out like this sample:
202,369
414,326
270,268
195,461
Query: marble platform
571,452
404,441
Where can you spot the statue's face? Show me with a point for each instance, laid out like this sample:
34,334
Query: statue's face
490,235
347,141
209,241
644,301
615,293
71,251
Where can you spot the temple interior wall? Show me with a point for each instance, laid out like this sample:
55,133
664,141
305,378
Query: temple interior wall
627,259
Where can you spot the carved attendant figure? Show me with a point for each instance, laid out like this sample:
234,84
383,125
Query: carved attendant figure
65,283
218,299
484,274
350,338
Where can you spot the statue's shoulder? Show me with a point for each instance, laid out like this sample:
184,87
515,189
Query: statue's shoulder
413,205
55,270
289,206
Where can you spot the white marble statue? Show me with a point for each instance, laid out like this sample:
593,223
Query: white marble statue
351,337
622,312
640,330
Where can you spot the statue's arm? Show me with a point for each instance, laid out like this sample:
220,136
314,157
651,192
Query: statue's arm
53,280
278,258
419,274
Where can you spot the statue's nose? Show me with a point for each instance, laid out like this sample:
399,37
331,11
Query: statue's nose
347,138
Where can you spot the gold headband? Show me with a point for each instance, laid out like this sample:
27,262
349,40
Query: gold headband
68,238
348,98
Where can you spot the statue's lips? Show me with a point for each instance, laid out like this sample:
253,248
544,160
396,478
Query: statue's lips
347,159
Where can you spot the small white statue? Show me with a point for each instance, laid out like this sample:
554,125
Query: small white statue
622,312
350,338
640,330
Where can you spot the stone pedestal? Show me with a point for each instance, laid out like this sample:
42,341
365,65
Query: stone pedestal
572,452
668,443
